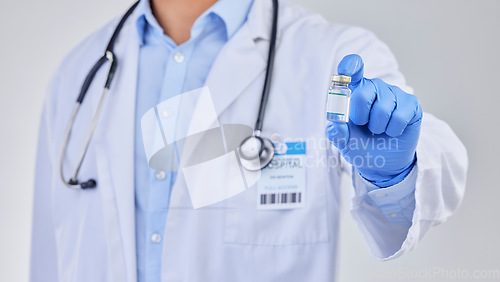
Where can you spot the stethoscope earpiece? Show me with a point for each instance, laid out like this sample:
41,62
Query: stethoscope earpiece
89,184
74,184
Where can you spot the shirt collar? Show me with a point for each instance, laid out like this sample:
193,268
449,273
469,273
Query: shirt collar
145,18
232,12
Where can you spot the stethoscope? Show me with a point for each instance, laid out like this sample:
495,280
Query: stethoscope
255,152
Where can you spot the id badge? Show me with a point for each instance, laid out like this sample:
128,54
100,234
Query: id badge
282,183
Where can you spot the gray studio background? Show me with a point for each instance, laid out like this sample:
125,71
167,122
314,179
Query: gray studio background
449,51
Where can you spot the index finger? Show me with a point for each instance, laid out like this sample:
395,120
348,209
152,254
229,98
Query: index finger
353,66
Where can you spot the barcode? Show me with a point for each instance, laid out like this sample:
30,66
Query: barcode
280,198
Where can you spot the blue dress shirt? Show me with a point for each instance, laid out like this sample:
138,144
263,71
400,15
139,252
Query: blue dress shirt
166,70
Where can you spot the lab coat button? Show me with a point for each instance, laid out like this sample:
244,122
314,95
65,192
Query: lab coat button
166,113
160,175
178,57
156,238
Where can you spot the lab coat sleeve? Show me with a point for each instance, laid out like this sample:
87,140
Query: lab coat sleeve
440,169
43,244
396,202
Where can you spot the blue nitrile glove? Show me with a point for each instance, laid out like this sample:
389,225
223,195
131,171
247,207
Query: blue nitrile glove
382,134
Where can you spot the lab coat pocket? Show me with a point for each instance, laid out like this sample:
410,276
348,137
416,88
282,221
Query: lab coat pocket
246,224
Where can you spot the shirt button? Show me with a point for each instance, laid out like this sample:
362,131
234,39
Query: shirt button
394,214
160,175
178,57
166,113
156,238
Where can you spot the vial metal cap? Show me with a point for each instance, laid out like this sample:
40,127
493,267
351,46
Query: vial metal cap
341,78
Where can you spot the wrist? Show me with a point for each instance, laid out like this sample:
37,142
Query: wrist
384,179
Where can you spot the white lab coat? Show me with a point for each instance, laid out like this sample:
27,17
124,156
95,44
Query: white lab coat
90,235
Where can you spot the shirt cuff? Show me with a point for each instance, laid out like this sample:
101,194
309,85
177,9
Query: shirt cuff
396,202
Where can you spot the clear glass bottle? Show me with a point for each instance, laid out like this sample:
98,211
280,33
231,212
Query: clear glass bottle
339,99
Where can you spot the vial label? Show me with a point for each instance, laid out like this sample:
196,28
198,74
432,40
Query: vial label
337,107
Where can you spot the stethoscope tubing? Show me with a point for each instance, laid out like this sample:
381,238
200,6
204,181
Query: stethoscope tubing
110,57
269,72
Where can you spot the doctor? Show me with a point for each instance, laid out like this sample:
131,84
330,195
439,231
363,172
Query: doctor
138,224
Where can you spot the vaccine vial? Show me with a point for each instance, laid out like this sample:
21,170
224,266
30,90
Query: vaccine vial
339,99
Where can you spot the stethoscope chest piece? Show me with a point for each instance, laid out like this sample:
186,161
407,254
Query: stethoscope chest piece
256,153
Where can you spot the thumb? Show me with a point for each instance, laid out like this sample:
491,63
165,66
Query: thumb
338,134
353,66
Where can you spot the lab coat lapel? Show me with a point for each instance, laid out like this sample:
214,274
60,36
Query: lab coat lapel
115,159
237,65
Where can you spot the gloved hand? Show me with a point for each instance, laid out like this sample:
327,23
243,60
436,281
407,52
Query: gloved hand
382,134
